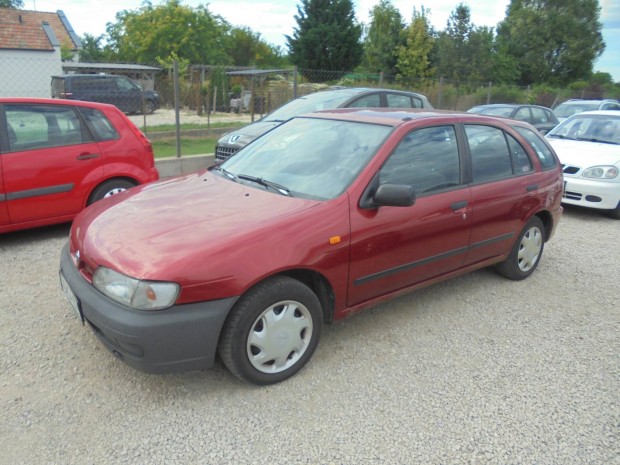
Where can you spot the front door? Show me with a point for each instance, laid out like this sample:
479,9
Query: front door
395,247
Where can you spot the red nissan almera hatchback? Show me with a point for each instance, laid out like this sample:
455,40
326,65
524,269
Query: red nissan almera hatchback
58,156
322,216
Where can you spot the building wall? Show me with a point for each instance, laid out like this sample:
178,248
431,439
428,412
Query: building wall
28,73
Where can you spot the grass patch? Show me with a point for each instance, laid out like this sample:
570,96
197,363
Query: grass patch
188,126
168,148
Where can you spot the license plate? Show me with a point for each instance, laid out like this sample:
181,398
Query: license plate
71,297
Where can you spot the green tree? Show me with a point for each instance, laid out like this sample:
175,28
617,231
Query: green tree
383,38
92,50
414,57
555,41
246,48
453,53
150,32
11,4
327,36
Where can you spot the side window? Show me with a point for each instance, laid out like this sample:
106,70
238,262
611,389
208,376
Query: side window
99,125
40,126
523,114
125,84
521,162
372,100
543,152
398,101
426,158
539,116
490,157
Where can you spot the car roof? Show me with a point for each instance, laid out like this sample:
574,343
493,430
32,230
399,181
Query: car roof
362,90
397,116
509,105
614,113
54,101
578,101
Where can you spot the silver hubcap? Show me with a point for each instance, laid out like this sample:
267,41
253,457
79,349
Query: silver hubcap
112,192
279,337
529,250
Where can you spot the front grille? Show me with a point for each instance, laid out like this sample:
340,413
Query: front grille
572,195
222,153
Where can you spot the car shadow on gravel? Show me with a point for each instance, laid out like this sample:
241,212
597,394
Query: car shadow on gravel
34,235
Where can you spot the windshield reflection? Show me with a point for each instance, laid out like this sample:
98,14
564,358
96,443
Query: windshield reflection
308,157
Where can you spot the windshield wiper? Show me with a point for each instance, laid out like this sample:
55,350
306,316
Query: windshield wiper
226,172
263,182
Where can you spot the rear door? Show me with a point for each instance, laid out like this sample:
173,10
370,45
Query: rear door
51,164
504,190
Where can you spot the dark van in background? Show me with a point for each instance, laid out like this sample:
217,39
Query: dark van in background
120,91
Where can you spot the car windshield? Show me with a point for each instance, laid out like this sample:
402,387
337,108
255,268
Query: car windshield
308,104
493,111
307,157
565,110
593,128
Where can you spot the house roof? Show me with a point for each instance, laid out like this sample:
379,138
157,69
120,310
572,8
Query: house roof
36,30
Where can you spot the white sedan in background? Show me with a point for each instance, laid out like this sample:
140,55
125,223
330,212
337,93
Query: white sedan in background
588,145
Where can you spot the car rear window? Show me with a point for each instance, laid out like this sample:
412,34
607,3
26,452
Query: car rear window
99,125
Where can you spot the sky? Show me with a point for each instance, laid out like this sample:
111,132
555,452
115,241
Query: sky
274,19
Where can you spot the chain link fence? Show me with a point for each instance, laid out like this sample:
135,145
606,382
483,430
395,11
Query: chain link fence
198,101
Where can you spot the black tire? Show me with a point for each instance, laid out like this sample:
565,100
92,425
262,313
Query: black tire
109,188
272,331
526,253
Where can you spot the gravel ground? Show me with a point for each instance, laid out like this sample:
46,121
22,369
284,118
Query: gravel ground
476,370
167,116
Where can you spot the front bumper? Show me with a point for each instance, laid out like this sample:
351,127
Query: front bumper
591,193
180,338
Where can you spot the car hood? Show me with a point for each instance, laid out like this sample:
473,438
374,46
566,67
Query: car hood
247,134
153,227
584,153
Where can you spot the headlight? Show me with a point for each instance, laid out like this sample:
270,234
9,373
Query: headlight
601,172
131,292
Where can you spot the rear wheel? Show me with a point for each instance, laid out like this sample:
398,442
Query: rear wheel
149,107
109,188
526,253
272,331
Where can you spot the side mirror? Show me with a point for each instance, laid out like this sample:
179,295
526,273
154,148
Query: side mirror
390,195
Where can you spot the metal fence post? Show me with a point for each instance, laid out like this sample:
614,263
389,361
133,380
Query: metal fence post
439,92
295,82
177,116
489,92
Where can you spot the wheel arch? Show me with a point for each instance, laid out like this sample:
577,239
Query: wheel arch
135,182
547,221
317,283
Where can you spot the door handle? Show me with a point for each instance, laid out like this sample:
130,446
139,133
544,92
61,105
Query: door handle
533,187
459,205
87,156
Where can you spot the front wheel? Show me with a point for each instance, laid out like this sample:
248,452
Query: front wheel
272,331
109,188
526,253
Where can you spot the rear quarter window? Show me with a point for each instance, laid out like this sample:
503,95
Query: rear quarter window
99,125
542,150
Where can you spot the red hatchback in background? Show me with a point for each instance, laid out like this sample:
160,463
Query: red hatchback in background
57,157
320,217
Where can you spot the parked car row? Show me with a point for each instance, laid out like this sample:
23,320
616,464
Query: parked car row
324,214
